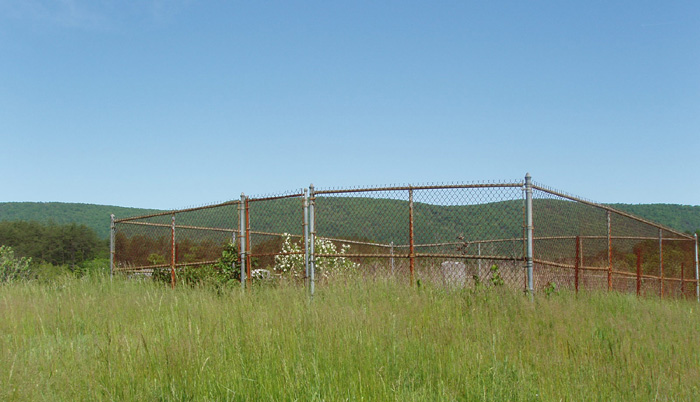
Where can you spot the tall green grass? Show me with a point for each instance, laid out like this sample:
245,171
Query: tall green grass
93,339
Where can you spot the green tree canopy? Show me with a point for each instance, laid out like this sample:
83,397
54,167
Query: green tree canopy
68,244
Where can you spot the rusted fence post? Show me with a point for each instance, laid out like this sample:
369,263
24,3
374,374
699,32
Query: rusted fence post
529,233
111,246
172,254
411,245
580,245
576,265
697,277
609,252
661,261
639,273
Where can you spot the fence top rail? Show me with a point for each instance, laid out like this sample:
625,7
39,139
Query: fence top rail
166,225
417,187
610,209
275,197
177,211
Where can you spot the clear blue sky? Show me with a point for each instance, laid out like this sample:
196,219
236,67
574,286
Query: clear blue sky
168,104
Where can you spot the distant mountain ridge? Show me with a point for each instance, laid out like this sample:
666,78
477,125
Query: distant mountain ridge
90,215
685,218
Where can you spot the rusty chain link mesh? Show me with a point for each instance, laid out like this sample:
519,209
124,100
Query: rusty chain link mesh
459,235
362,232
465,235
580,244
272,221
143,244
557,222
469,236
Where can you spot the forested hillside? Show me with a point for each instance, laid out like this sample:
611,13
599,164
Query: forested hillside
685,218
350,216
90,215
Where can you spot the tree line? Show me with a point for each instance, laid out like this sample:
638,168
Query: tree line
70,245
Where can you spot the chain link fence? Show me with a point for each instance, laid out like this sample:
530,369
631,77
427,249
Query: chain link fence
459,235
149,244
583,245
275,234
514,234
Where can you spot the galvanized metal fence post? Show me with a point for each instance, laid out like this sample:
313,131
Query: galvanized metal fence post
697,277
411,245
172,254
305,212
248,244
312,239
233,244
111,246
609,252
530,233
242,236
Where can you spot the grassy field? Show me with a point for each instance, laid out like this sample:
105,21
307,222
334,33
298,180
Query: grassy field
93,339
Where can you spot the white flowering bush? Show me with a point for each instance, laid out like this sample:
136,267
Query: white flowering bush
325,266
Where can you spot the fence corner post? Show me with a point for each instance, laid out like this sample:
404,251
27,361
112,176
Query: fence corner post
312,239
111,246
242,237
529,233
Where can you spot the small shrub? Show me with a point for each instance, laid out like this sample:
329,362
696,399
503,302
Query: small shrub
550,289
94,267
48,273
496,279
13,269
228,266
156,259
226,271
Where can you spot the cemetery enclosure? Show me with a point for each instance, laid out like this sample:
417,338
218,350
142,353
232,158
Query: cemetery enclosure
517,234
